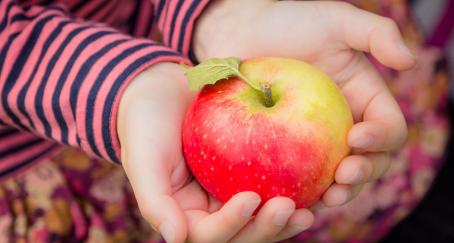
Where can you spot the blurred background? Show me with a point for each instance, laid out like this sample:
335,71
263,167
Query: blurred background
433,219
429,13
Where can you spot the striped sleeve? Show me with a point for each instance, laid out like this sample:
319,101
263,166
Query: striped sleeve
176,20
62,78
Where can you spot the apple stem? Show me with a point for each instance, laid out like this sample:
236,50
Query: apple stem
266,89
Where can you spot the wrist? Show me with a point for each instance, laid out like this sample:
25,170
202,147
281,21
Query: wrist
152,87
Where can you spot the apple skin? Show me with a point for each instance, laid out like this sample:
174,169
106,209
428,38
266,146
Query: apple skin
232,142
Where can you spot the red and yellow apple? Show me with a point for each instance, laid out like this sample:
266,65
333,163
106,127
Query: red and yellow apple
234,141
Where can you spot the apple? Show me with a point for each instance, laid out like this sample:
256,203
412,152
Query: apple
283,140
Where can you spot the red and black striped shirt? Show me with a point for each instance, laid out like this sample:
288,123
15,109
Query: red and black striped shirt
65,64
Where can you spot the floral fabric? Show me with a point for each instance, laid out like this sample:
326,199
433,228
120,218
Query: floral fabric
72,198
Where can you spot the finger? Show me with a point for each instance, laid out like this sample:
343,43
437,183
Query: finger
151,170
213,204
300,221
222,225
317,206
151,186
365,31
359,169
270,220
383,127
191,197
380,124
339,194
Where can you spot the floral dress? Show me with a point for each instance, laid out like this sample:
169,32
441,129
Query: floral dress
72,198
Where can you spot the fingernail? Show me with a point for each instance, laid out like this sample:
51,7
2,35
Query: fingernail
167,231
405,50
363,142
281,218
250,207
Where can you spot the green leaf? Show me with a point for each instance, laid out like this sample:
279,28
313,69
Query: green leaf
213,70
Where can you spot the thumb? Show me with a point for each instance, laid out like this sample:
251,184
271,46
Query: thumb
365,31
151,185
150,111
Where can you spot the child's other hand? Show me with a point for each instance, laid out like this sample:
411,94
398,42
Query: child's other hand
331,36
149,127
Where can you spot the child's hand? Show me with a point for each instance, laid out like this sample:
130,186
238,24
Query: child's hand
331,36
149,127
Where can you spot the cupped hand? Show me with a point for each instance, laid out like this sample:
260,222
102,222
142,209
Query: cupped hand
332,36
149,128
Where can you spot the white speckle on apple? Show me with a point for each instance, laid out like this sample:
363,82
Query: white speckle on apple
249,163
265,146
204,135
213,158
196,129
218,140
298,184
242,157
204,173
268,159
223,137
219,91
259,186
212,168
204,156
263,177
253,141
224,146
230,167
230,178
232,140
